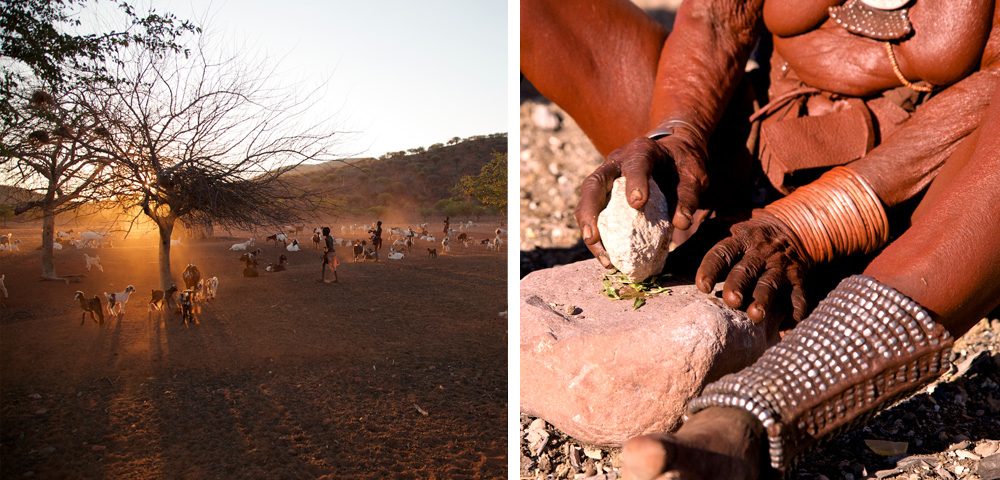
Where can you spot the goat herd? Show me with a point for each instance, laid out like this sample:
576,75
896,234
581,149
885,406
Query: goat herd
198,288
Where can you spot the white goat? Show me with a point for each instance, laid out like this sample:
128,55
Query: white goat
394,255
61,234
94,261
56,246
213,286
118,299
294,246
242,246
14,245
95,239
429,238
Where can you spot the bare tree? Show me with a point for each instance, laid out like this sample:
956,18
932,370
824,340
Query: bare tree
209,139
51,148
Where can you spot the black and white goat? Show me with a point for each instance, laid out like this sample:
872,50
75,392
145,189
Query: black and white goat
294,246
185,302
118,299
92,305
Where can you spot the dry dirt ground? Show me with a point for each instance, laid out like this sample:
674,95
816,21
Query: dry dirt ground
397,371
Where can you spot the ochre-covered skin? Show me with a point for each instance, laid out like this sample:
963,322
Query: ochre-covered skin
620,76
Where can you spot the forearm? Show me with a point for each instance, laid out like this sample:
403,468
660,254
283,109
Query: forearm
905,163
702,61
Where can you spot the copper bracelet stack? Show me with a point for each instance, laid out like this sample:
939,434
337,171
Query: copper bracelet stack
836,215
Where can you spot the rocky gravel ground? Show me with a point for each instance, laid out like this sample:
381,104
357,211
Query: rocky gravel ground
950,430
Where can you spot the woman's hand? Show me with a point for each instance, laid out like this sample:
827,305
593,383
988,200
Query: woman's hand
763,258
675,159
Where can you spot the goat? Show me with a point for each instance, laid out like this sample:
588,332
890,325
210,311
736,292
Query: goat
359,250
280,267
278,237
316,240
175,242
409,244
241,246
92,305
5,240
399,243
191,276
294,246
446,244
495,244
199,291
185,301
64,234
251,269
14,245
94,261
299,228
394,255
213,287
160,297
95,239
429,238
118,299
464,238
432,253
56,246
3,289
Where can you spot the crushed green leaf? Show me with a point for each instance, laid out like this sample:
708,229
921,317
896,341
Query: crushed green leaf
617,286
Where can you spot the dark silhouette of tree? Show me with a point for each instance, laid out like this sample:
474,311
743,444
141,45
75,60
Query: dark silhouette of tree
50,145
38,53
209,140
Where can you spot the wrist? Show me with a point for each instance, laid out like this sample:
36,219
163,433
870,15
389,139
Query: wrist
835,216
675,126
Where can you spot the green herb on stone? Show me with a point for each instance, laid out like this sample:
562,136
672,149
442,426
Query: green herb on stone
618,287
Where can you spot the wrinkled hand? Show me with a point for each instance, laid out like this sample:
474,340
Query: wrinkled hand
762,256
675,159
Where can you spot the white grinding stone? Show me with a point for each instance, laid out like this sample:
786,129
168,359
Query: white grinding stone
637,241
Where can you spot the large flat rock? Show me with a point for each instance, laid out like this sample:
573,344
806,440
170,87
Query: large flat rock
603,373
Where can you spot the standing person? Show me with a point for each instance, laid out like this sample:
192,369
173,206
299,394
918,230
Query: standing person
328,240
377,239
446,223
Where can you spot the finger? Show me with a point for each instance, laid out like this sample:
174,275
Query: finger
636,166
772,280
593,198
716,261
600,254
689,188
646,457
799,304
740,278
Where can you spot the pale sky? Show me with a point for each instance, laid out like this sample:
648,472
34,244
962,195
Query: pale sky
405,74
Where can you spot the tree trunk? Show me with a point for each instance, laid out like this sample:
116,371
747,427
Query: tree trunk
48,232
166,227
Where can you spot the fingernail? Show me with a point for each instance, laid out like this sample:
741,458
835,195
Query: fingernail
587,233
636,195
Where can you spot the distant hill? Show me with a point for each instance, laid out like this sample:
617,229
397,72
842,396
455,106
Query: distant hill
401,181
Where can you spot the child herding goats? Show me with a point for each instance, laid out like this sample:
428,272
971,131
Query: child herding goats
327,261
